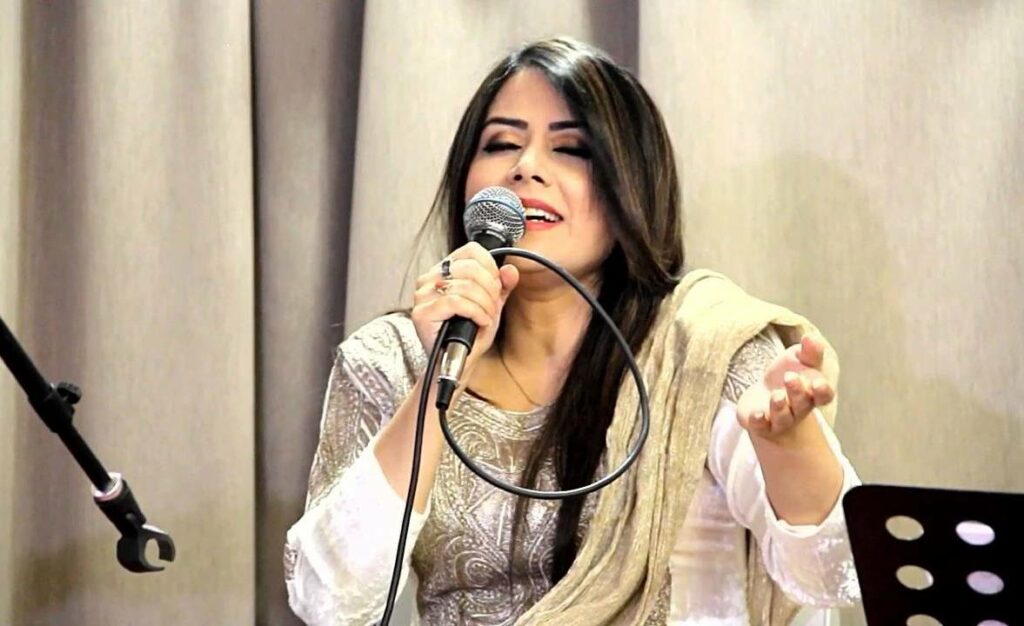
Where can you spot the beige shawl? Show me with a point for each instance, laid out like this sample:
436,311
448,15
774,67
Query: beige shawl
622,566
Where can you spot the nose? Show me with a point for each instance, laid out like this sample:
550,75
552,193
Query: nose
528,167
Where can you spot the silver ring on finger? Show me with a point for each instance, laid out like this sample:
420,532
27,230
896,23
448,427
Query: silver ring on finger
446,269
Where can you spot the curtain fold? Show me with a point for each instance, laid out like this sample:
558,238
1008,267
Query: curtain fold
198,200
306,85
10,142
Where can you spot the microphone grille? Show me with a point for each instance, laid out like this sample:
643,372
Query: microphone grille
495,209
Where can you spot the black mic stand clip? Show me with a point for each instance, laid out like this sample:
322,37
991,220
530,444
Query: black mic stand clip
55,406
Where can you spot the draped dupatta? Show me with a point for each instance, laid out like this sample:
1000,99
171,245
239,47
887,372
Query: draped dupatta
620,575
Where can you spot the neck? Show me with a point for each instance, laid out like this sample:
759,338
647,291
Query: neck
543,327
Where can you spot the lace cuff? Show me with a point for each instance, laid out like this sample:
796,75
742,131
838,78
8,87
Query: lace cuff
813,564
340,554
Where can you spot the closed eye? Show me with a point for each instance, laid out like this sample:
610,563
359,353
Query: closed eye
499,146
582,152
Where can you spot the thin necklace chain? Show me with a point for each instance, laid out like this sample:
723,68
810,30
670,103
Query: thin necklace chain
501,357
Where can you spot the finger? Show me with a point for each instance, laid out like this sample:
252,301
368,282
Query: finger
450,305
757,423
779,414
478,253
436,272
509,277
812,351
430,289
425,295
470,269
822,391
800,400
461,288
474,292
428,278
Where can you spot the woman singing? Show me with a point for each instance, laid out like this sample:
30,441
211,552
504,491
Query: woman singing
732,513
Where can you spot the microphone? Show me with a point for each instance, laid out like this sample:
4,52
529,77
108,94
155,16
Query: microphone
494,218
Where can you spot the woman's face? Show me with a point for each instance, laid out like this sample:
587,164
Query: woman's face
532,145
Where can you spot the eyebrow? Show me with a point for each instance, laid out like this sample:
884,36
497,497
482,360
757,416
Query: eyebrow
522,125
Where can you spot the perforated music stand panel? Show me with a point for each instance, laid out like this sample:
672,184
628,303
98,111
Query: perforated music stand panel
948,558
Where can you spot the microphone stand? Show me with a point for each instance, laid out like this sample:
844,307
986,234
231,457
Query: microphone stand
55,406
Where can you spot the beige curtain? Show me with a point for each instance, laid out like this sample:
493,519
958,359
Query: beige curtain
198,199
133,216
10,125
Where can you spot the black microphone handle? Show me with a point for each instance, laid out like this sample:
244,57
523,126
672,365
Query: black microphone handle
460,329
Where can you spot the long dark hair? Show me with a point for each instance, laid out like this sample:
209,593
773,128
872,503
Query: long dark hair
634,173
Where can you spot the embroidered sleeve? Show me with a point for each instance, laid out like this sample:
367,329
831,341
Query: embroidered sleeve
750,362
339,555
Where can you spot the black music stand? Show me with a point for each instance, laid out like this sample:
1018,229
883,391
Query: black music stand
972,548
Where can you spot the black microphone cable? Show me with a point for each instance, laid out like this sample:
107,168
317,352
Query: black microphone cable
414,475
631,456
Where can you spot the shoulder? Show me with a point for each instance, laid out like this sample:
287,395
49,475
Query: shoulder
714,317
707,299
385,350
381,335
